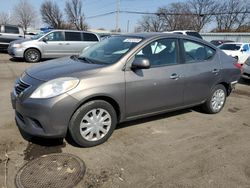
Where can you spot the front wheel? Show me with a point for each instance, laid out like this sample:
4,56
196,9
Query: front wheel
93,123
216,101
32,55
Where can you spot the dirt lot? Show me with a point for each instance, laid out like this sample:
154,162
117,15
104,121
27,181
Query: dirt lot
181,149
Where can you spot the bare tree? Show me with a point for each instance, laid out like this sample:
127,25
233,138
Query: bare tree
5,18
202,11
24,14
52,15
75,15
235,13
150,23
176,16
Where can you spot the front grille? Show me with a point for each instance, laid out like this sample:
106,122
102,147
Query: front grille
21,86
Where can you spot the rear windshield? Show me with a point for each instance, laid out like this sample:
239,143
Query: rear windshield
230,46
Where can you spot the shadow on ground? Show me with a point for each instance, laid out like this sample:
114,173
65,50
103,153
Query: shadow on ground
244,81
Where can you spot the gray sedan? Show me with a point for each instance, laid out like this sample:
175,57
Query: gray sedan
120,79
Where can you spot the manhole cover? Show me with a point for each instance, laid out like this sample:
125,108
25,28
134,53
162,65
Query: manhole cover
53,170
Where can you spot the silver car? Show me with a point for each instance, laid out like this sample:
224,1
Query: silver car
246,69
9,33
56,43
121,78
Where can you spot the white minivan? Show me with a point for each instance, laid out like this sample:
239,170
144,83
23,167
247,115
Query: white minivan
55,43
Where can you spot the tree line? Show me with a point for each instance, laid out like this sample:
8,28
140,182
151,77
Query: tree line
223,15
25,15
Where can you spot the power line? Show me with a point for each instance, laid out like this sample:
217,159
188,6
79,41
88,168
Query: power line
166,14
100,15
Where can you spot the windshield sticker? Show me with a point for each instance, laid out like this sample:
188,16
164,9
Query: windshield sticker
132,40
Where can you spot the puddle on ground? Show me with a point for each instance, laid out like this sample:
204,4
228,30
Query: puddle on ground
233,110
245,124
242,92
35,150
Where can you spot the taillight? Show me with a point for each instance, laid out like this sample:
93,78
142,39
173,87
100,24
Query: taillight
237,65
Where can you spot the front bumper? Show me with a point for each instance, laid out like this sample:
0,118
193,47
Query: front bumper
16,52
48,118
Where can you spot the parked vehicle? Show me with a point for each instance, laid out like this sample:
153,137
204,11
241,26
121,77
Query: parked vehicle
219,42
55,43
9,33
240,51
187,32
121,78
246,69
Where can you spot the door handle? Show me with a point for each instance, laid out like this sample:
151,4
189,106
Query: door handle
67,43
60,43
215,71
20,36
174,76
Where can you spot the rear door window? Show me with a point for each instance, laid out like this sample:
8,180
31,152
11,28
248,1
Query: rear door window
11,29
89,37
197,52
72,36
245,47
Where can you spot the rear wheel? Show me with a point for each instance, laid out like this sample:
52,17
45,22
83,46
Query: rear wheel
93,123
32,55
216,101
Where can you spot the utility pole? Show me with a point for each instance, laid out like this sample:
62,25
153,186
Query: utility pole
117,15
128,26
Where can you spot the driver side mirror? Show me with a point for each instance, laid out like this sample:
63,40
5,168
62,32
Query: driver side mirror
140,63
45,39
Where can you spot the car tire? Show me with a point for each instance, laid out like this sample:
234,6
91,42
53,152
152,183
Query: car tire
32,55
92,123
216,100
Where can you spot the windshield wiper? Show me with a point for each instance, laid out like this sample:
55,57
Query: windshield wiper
86,59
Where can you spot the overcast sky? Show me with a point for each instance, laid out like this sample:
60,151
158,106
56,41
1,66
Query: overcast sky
95,7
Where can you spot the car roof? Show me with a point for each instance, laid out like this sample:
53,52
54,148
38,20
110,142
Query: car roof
52,30
152,35
236,43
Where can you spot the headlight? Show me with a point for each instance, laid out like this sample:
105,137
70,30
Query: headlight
55,87
16,45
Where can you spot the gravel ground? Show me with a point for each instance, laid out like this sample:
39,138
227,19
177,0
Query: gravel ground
181,149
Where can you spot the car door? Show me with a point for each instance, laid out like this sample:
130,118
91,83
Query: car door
53,44
73,43
201,70
159,87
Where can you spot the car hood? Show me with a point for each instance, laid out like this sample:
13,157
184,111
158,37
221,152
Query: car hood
62,67
19,41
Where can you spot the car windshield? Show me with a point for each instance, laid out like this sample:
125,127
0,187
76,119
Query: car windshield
109,50
38,35
230,46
